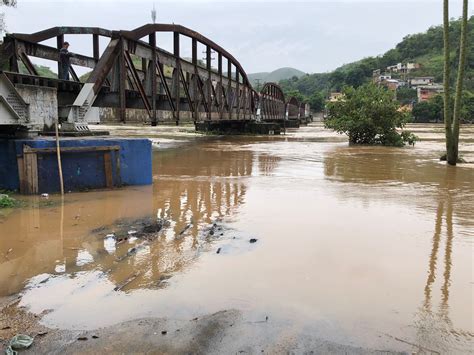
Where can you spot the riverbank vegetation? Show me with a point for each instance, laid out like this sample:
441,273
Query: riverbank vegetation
369,115
423,48
7,201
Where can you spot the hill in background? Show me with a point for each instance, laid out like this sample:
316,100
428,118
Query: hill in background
423,48
275,76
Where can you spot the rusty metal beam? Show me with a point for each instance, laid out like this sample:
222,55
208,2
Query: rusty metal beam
51,53
59,31
176,74
29,66
165,85
104,66
136,80
154,83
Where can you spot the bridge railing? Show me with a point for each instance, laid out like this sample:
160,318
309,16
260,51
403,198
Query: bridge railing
134,72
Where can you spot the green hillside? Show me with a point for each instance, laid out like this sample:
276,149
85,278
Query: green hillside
423,48
275,76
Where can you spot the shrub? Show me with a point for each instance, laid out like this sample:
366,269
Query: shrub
369,115
7,202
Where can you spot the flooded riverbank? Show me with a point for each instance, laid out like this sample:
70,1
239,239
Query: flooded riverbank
368,247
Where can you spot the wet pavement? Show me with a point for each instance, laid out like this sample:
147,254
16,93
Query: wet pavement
367,247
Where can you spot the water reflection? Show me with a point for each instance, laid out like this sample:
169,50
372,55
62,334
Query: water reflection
446,192
434,326
192,189
415,179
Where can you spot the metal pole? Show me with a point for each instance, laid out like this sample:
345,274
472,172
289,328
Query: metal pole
58,153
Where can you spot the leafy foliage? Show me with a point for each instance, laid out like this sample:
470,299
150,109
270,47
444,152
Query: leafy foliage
432,110
406,95
7,202
317,101
429,111
369,115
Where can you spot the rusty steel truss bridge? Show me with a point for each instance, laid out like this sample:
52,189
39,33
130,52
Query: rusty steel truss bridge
134,73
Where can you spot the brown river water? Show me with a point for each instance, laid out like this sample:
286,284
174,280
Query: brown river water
365,246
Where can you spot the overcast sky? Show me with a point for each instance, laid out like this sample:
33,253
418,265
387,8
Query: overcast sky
313,36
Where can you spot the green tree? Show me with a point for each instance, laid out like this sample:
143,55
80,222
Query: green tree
317,101
295,93
429,111
369,115
452,117
406,95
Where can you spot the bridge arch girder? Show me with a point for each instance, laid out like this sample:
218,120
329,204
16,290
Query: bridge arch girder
272,102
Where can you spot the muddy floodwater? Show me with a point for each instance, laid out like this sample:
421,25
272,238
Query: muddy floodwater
369,247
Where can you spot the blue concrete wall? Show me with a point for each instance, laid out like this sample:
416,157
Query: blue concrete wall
81,171
9,179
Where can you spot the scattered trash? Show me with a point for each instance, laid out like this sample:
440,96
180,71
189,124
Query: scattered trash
153,227
82,338
42,333
126,282
185,229
132,232
164,332
218,251
60,268
45,195
18,342
253,240
95,337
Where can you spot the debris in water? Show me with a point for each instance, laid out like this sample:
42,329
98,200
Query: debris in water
185,229
45,195
126,282
18,342
253,240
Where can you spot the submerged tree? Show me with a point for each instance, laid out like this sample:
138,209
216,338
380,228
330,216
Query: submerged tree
369,115
452,116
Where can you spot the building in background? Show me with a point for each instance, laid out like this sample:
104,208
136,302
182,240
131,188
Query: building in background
426,92
421,81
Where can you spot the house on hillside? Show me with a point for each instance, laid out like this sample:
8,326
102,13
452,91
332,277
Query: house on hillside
426,92
335,96
403,68
421,81
377,79
391,84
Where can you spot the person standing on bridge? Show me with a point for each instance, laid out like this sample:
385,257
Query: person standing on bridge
64,61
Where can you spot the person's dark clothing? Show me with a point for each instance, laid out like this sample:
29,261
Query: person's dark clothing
64,63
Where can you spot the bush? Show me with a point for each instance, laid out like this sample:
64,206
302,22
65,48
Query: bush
429,111
369,115
7,202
